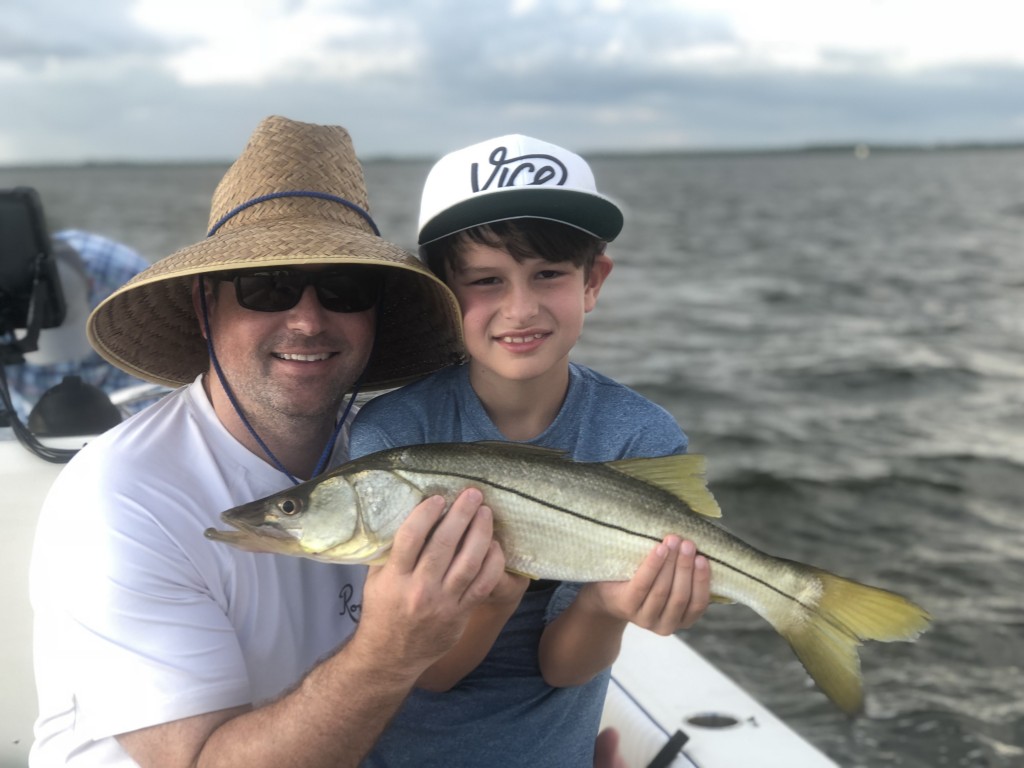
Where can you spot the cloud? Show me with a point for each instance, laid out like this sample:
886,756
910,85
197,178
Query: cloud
148,79
43,33
266,41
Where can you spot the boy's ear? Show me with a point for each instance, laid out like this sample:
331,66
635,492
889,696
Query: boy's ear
599,272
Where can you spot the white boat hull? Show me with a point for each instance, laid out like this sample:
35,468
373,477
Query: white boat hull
24,481
662,688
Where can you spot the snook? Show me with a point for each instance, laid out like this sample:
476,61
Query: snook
573,521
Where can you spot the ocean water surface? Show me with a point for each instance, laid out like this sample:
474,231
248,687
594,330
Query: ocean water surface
844,339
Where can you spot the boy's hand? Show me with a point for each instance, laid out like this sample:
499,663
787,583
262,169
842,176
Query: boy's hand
669,591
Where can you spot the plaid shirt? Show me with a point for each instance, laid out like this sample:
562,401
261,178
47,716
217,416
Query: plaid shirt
109,265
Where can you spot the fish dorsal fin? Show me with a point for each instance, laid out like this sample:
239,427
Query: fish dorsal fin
682,475
513,447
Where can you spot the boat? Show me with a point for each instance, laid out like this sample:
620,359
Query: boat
672,707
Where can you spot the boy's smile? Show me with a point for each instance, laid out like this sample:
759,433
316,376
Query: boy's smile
521,343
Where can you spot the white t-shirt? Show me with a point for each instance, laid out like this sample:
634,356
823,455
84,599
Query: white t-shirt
141,620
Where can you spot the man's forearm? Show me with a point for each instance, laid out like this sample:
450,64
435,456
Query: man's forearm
332,718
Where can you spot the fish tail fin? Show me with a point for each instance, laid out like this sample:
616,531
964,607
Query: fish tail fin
825,637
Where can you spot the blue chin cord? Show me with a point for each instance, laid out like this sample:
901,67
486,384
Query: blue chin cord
325,456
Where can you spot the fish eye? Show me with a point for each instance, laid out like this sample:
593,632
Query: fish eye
289,507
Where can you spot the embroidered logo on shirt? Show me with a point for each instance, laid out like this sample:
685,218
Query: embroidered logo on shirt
348,608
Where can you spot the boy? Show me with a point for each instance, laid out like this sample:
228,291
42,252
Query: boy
517,229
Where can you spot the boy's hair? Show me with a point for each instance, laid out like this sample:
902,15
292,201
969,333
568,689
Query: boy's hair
522,239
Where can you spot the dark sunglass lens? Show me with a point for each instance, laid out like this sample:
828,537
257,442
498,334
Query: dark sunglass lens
273,291
351,289
348,291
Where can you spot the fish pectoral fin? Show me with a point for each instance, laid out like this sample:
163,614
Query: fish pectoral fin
682,475
722,600
530,577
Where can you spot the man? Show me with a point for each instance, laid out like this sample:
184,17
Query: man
91,267
157,647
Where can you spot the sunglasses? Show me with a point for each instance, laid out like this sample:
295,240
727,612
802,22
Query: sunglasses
351,288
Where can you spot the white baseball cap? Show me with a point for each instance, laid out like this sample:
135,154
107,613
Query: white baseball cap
514,177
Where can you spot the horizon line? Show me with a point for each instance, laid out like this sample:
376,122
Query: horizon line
858,148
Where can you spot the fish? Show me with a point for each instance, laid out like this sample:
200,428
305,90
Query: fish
567,520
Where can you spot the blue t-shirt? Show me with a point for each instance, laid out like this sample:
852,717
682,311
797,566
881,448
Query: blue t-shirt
503,713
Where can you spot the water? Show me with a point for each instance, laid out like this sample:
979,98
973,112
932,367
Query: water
843,338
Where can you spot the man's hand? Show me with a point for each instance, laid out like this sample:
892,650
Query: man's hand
510,589
442,566
479,635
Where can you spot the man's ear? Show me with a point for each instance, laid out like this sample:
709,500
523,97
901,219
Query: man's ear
599,272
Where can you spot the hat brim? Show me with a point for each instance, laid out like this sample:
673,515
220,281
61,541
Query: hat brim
149,328
588,211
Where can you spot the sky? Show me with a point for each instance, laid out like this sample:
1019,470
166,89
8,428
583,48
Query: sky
188,80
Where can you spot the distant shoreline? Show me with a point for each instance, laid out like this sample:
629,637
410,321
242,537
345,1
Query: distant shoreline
860,149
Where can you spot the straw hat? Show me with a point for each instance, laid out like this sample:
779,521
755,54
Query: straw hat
296,195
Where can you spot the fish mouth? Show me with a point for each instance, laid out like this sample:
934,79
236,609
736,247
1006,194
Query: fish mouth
228,537
251,525
246,530
249,542
255,534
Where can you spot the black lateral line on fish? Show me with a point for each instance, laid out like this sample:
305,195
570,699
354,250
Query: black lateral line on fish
612,526
482,481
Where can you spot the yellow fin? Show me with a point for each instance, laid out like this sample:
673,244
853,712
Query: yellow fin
681,475
530,576
826,636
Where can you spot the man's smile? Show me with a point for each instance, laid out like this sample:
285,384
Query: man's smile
303,358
